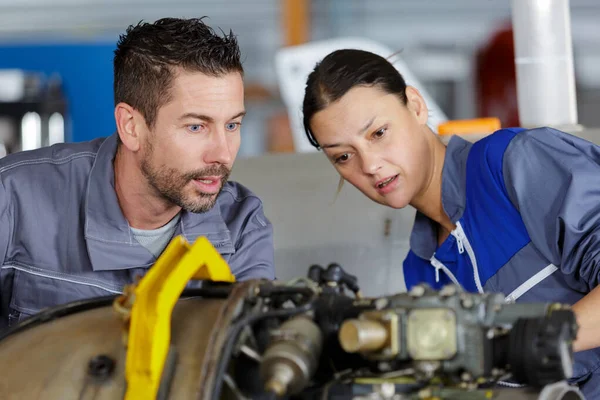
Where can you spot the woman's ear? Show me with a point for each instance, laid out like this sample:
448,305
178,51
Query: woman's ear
416,105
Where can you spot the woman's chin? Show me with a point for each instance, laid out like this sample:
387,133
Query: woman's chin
396,202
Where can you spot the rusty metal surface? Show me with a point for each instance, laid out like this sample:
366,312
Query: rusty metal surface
231,309
50,361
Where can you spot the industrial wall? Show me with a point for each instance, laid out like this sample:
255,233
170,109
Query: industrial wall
437,38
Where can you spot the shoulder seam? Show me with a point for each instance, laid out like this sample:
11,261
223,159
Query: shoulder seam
48,161
11,224
240,199
243,235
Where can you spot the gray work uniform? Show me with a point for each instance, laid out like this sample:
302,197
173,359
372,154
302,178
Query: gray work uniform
63,236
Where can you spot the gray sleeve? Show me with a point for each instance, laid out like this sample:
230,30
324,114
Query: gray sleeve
254,254
554,181
5,223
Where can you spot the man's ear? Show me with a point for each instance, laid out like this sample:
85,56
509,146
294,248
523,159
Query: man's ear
128,126
416,105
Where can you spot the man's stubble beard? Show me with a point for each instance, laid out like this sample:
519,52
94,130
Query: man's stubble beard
170,183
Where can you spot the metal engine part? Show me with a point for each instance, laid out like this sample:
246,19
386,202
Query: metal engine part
467,335
388,391
292,357
265,340
82,355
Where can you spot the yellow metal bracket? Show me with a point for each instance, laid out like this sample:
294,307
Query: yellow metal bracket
151,302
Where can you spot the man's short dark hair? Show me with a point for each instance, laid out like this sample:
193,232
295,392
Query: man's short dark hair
148,53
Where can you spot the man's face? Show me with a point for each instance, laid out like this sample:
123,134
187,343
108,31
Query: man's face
188,155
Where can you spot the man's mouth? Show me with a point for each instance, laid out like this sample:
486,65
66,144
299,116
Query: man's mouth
207,181
209,184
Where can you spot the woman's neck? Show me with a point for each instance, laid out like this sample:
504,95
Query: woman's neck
429,202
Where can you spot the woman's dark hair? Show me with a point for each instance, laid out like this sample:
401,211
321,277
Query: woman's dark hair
343,70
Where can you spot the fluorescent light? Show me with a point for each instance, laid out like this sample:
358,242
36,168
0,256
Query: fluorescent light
31,131
56,129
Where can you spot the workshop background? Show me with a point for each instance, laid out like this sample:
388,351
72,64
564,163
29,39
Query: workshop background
56,85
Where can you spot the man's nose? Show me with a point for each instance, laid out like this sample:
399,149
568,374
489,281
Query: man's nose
219,151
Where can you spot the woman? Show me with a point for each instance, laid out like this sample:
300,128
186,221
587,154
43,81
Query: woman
518,212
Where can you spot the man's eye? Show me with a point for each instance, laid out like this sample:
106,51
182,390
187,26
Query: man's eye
232,126
195,128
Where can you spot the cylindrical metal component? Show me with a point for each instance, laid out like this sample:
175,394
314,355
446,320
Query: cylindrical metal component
362,335
282,375
291,359
544,63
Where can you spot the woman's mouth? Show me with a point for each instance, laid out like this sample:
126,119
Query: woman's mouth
386,185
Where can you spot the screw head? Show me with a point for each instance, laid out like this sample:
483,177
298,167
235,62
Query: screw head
101,367
381,303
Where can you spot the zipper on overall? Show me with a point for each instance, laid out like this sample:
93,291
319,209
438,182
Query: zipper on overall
462,242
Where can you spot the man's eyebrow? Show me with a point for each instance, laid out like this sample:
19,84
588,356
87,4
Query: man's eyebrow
203,117
208,118
240,114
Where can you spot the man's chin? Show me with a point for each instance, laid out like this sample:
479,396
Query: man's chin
203,205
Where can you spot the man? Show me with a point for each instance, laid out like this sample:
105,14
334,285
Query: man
82,220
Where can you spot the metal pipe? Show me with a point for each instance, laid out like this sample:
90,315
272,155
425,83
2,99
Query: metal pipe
544,63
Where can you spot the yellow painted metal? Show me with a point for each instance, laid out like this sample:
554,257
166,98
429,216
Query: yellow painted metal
153,300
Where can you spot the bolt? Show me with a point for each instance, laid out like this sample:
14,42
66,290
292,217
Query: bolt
417,291
448,290
467,302
101,367
381,303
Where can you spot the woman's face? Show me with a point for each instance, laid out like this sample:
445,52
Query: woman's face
377,143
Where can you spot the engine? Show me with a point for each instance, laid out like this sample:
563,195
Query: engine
310,338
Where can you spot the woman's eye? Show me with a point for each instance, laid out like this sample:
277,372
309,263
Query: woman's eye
232,126
380,132
343,158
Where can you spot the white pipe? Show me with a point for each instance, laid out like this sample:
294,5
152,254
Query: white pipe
544,63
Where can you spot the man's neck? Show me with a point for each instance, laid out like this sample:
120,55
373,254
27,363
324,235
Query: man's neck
142,207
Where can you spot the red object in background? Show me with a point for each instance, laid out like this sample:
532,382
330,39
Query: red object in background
496,79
